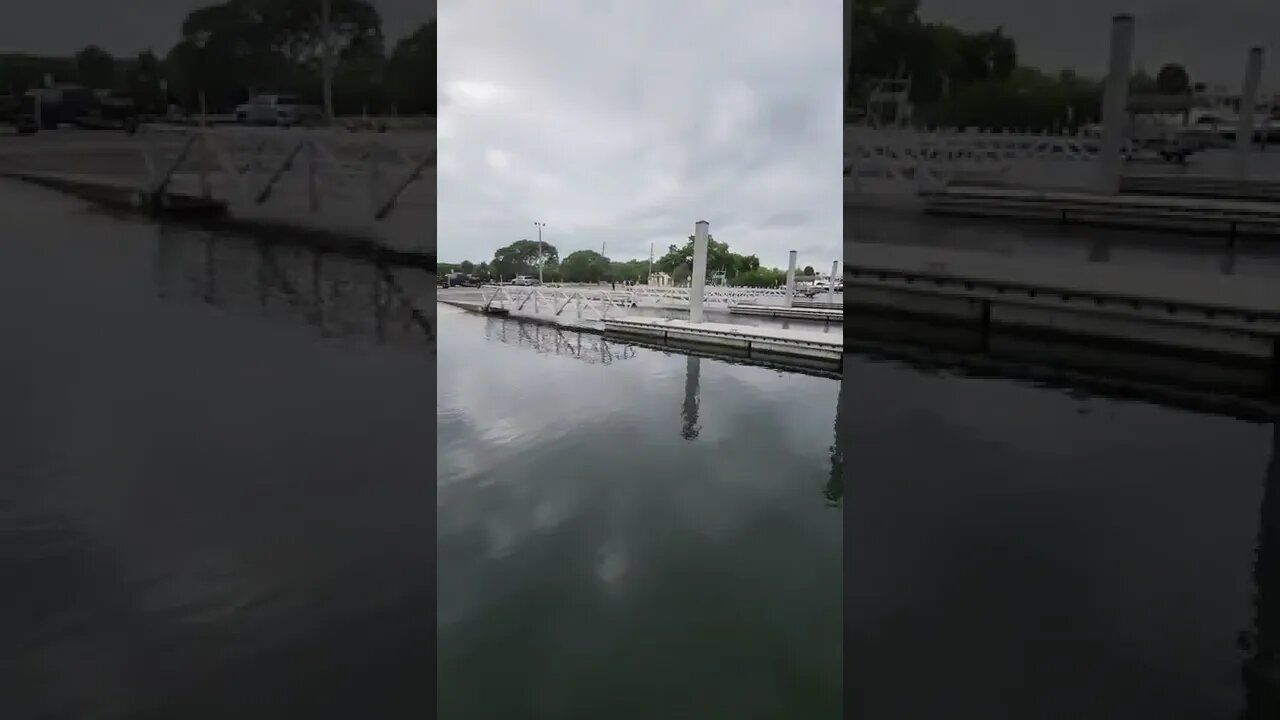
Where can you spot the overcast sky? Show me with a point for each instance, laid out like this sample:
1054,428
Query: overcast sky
126,27
1210,38
625,122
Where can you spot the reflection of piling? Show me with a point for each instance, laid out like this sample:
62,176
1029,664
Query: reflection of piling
791,278
835,483
1114,99
689,412
699,280
1248,98
1262,669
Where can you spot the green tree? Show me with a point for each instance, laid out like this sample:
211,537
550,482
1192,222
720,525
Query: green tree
411,71
234,49
808,270
762,277
585,266
1141,82
95,67
467,266
1173,80
523,257
142,78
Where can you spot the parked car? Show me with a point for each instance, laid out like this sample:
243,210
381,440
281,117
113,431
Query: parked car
525,280
458,279
281,110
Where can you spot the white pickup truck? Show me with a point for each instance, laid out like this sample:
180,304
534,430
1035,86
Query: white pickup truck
822,287
280,110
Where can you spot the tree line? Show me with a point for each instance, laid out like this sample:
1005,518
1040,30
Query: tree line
526,257
962,79
238,48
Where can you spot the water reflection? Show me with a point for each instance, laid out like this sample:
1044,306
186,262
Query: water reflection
606,540
689,428
587,347
1262,668
1242,389
338,295
594,349
835,483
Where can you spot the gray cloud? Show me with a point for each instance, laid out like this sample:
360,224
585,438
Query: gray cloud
1210,39
126,27
624,123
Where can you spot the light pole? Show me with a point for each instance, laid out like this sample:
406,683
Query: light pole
326,61
542,260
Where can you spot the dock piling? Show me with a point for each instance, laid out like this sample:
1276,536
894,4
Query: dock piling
1115,97
831,289
1248,99
699,279
791,278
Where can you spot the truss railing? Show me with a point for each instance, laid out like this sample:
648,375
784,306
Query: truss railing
249,165
586,303
937,157
601,303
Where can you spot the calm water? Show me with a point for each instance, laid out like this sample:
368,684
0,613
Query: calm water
626,533
1016,551
215,489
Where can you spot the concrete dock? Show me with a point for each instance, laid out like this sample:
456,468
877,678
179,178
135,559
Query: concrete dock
812,314
753,341
1232,318
1201,186
1172,213
820,304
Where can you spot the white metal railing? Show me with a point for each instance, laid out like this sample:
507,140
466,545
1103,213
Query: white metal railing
588,304
601,303
926,158
248,164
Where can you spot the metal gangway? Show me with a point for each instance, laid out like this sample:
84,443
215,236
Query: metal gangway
366,174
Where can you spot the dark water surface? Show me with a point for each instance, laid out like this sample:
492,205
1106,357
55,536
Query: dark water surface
215,485
1015,551
627,533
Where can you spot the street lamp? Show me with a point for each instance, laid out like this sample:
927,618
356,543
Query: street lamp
541,250
201,40
326,60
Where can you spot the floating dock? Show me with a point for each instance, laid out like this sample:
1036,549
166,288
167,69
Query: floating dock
812,314
1201,186
825,348
1173,213
1217,318
123,195
820,304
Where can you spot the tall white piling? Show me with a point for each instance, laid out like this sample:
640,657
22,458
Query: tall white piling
699,280
831,290
1248,99
848,48
1114,99
791,278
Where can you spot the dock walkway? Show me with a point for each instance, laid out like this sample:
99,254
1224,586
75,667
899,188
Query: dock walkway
1175,213
811,346
812,314
1227,315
